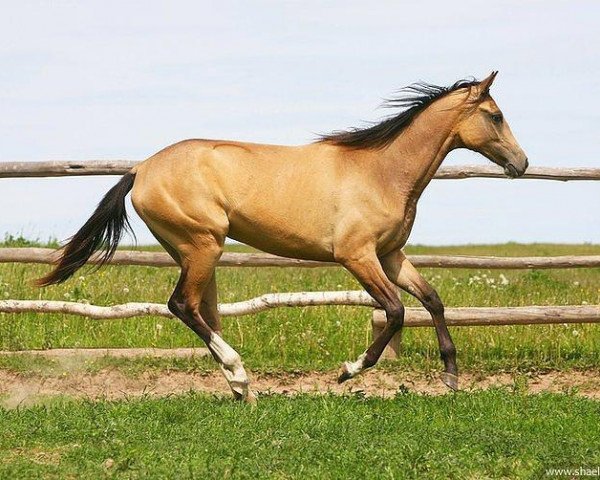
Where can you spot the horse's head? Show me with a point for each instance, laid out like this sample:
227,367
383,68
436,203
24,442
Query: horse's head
484,129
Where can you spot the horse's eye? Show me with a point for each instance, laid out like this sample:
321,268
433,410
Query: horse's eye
497,118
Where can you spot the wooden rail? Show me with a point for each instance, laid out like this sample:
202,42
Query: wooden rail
415,317
533,173
230,259
65,168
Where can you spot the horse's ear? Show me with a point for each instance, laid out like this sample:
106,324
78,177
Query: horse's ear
484,86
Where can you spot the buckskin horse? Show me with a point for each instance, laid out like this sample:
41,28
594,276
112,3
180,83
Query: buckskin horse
350,197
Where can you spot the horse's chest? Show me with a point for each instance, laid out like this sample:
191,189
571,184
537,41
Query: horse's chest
395,234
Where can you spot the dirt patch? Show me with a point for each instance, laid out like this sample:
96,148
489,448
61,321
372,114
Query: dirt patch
36,455
24,390
61,354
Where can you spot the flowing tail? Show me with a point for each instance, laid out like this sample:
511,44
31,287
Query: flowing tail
102,231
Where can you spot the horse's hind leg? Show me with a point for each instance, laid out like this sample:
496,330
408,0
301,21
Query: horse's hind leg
210,313
197,272
208,306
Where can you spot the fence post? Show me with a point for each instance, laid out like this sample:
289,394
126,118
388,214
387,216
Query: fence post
378,322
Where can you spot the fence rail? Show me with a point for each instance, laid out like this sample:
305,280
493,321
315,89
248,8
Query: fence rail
232,259
415,317
64,168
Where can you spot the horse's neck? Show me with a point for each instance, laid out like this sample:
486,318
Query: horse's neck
414,157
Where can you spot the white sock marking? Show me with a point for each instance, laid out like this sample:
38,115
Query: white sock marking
354,368
227,355
231,365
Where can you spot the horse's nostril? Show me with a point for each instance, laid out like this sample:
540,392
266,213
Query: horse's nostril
526,163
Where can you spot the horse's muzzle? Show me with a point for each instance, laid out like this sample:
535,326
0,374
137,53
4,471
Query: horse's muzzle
511,171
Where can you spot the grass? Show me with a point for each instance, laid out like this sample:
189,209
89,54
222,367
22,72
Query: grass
492,434
319,338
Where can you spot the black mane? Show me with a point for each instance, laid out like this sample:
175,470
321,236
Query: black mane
412,100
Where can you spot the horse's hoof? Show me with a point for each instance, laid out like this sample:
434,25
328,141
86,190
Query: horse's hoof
450,380
246,397
250,398
344,374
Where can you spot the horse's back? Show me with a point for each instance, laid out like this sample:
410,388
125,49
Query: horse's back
277,198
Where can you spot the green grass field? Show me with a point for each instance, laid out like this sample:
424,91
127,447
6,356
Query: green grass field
498,433
493,434
319,338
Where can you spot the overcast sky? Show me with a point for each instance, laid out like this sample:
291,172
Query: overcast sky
121,80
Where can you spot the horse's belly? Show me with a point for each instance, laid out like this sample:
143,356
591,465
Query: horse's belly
281,236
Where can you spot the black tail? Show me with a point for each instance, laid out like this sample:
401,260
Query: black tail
102,231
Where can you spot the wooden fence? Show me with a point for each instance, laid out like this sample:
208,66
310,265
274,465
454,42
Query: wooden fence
229,259
415,317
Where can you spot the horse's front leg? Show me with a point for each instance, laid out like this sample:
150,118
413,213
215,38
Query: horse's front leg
365,266
402,273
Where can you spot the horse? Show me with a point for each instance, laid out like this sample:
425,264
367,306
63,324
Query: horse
348,197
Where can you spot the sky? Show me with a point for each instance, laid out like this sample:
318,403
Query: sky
121,80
